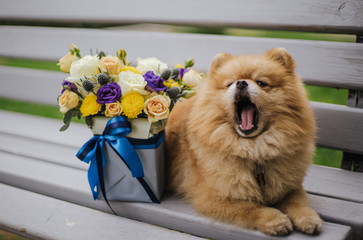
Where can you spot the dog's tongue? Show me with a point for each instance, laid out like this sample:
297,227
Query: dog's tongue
247,116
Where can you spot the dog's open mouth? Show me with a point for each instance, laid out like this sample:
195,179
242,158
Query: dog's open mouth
246,115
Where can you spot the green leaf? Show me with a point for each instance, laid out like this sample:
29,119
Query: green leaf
89,121
65,127
68,116
189,63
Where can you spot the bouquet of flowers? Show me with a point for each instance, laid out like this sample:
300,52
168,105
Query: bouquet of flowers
123,167
109,86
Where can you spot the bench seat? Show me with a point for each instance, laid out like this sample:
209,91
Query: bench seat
46,164
37,216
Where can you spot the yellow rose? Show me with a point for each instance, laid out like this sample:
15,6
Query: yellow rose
67,101
66,62
113,109
157,108
111,64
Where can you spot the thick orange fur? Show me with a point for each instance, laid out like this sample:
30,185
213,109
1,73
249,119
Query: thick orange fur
215,168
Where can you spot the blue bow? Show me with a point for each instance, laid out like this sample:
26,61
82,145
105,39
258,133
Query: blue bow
115,134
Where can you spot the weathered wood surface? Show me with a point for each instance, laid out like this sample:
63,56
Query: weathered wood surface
309,15
335,183
339,211
41,217
331,64
70,184
339,126
51,80
24,84
36,157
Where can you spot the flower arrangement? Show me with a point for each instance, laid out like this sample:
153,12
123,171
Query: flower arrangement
109,86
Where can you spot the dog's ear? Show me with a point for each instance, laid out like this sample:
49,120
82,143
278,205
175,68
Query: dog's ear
281,56
219,59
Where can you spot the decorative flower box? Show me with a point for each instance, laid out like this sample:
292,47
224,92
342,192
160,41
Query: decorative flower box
119,182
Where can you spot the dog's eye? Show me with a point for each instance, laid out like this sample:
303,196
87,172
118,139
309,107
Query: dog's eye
261,83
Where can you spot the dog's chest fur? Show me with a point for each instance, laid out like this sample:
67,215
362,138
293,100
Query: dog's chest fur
236,178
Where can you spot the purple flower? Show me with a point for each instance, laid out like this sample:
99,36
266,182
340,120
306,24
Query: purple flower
182,71
72,86
154,82
109,93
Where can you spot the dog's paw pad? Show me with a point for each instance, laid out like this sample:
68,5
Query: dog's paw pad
311,224
279,225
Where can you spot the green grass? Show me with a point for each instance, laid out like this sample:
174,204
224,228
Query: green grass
291,35
327,95
10,236
269,34
29,63
30,108
328,157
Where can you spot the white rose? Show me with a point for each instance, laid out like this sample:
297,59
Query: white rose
191,79
153,64
84,67
132,82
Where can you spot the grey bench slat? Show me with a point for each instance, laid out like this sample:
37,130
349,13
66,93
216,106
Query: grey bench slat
30,148
43,129
323,16
27,173
330,64
34,215
335,183
21,80
71,185
339,126
340,211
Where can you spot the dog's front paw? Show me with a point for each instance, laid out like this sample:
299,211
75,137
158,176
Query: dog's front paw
309,223
274,222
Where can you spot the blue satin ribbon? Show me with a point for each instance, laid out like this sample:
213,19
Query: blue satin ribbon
115,134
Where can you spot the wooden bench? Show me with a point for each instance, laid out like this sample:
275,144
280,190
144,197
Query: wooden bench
44,189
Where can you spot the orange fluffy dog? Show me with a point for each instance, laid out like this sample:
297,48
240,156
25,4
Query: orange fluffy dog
238,151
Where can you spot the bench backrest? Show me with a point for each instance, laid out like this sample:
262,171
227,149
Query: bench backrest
322,63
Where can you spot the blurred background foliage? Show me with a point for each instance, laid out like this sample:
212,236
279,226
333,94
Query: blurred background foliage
10,236
321,94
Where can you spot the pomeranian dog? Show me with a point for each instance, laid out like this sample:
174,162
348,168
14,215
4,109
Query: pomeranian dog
239,149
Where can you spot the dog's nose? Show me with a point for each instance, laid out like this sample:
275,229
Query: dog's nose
241,84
